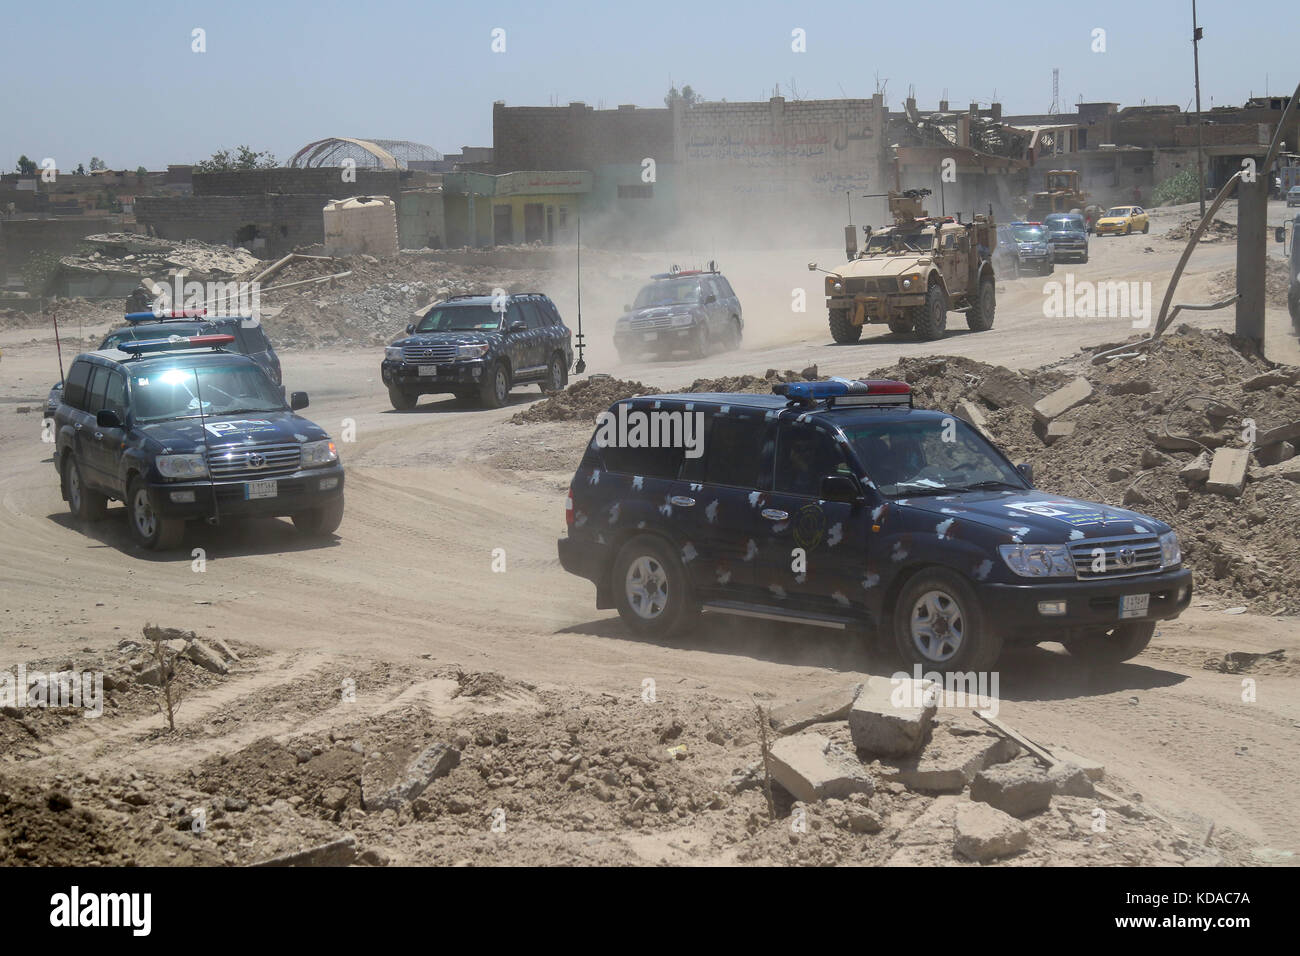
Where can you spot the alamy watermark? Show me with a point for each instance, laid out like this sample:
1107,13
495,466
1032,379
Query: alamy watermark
220,299
62,689
1094,300
634,428
957,689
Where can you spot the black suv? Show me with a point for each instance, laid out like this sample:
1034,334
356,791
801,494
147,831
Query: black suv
250,338
837,504
694,311
478,347
180,429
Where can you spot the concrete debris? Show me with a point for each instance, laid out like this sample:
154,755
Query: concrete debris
1055,431
378,793
1196,470
1290,470
1070,780
1275,454
1269,379
1003,388
833,705
891,720
968,412
985,833
1019,788
339,852
949,761
1062,400
1094,769
1288,432
205,657
1228,472
812,768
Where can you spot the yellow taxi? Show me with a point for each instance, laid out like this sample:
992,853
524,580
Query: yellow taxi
1123,221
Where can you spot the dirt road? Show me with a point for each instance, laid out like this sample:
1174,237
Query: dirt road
432,493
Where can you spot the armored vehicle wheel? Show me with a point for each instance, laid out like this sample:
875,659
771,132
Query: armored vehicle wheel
932,318
979,317
1120,643
939,623
842,330
653,593
495,386
150,529
402,400
1293,306
318,522
900,325
85,505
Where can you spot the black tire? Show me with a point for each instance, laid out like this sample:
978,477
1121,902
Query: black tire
85,504
1128,230
979,317
701,343
1293,306
401,399
465,398
557,375
322,521
150,529
931,319
651,588
843,331
495,387
1146,227
736,336
964,642
1085,257
1122,642
900,326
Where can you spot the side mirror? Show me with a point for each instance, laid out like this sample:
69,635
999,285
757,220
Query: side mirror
298,400
410,327
107,418
517,327
1280,233
1026,471
840,488
812,267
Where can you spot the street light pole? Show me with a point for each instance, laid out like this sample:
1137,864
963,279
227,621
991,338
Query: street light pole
1196,67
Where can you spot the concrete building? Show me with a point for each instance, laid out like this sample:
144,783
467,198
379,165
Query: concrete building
482,209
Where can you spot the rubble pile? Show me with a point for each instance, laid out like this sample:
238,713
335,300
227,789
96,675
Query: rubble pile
1277,278
583,400
135,256
1216,231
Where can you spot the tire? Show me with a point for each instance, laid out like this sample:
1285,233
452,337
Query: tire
651,588
1085,257
85,504
962,642
932,318
320,522
979,317
899,326
401,400
1293,306
557,375
701,343
1128,230
843,331
736,335
495,387
150,529
1146,227
1121,643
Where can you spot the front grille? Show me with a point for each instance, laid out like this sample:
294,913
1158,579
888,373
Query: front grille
1125,557
428,353
644,325
252,462
883,284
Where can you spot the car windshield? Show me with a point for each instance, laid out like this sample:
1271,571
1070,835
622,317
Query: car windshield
1027,233
461,318
933,456
146,332
668,292
1065,225
1119,211
169,393
885,241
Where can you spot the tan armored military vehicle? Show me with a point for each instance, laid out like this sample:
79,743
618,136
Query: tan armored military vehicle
911,275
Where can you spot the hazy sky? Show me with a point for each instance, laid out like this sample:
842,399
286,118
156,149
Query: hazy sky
120,81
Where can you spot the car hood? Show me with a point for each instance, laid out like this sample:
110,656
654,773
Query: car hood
1113,219
186,435
661,311
1035,517
450,338
884,264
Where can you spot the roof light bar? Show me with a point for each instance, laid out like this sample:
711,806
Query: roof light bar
175,343
842,391
159,316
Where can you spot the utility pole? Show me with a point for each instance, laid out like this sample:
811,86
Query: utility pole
1197,33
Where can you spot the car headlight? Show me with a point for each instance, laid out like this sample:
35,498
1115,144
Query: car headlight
1038,560
1170,552
182,466
686,319
393,353
317,453
470,351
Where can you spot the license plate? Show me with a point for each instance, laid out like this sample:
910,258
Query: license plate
1134,605
429,370
650,336
261,489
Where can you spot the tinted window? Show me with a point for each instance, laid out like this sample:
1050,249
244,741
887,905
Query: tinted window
166,393
804,456
646,462
114,392
532,315
96,389
734,452
460,318
726,287
251,338
74,392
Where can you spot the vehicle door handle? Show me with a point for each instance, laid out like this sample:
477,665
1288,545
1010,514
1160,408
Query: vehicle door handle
682,501
77,426
99,436
772,514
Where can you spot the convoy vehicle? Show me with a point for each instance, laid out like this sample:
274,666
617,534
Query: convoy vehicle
839,504
1061,193
1123,221
249,337
1293,196
1286,234
479,347
1067,236
692,310
1033,254
910,275
181,429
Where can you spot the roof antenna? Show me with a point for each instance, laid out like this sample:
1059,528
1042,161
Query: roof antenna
581,365
207,451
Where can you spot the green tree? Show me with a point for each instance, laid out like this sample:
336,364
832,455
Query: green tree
687,95
1178,188
96,164
244,157
26,167
80,170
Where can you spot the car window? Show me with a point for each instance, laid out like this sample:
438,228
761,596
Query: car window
74,391
683,291
460,318
804,456
643,462
924,457
168,393
532,315
96,389
251,338
1027,233
114,393
737,451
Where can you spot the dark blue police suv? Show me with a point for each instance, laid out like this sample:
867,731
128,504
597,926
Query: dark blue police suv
838,504
180,429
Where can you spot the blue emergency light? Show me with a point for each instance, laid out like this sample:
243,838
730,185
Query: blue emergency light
134,317
843,391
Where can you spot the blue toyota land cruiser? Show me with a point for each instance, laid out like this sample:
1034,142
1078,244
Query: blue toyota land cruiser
478,347
180,429
837,504
250,337
692,310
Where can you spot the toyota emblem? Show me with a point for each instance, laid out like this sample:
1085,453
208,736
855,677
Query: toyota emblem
1126,557
259,461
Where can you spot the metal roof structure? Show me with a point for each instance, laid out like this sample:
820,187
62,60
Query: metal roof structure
366,153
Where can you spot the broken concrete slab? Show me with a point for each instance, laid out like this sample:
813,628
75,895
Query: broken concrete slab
1055,431
985,833
933,826
950,760
1287,432
1019,788
205,657
812,768
380,792
1290,470
1070,780
1228,472
1003,388
1062,400
832,705
1275,454
339,852
1134,386
1196,470
1124,474
1269,379
969,413
891,719
1094,769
